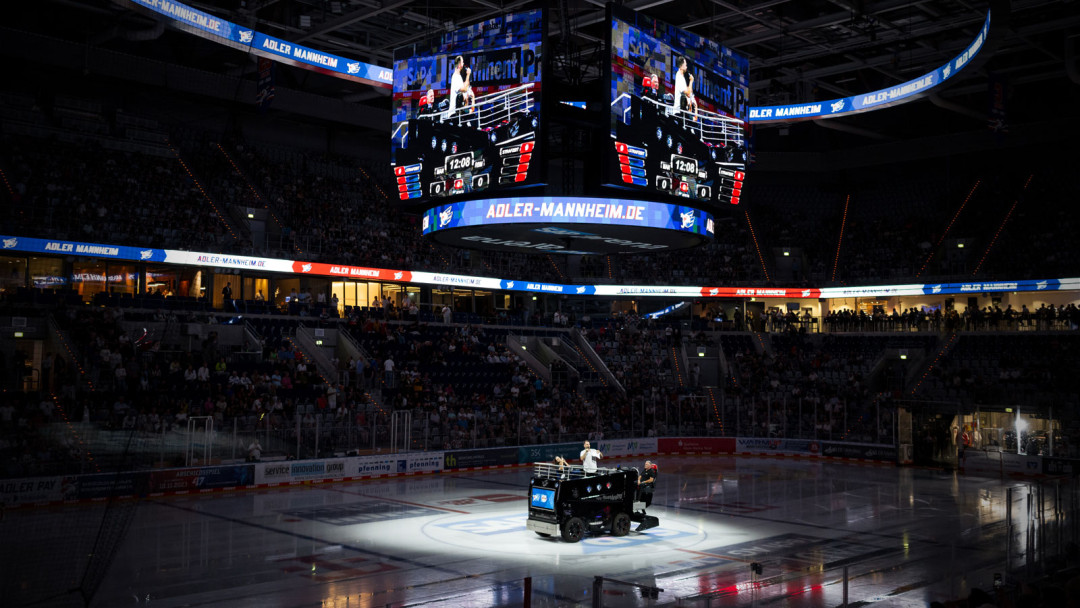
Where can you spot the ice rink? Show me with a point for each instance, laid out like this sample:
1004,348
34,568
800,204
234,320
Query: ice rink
906,537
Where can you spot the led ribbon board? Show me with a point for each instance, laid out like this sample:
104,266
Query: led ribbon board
32,245
875,100
219,30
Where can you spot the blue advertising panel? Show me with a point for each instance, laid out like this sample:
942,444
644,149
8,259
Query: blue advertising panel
542,498
194,20
302,56
992,286
214,28
569,210
882,98
508,285
94,250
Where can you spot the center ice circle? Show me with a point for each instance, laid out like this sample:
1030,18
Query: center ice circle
505,532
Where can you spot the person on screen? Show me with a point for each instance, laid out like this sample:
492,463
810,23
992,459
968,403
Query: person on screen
427,103
684,88
460,88
652,87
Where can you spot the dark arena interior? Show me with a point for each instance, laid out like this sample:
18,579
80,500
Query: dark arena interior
317,303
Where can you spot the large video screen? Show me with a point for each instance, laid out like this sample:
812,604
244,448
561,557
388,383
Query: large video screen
678,112
466,110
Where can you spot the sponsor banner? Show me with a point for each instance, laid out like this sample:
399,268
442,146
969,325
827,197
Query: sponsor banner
104,485
1061,466
302,56
882,98
301,470
547,453
93,250
461,459
424,462
352,272
998,463
241,262
854,450
194,20
547,287
758,292
767,445
204,478
14,492
612,448
455,280
710,445
226,32
648,290
1017,464
872,291
379,465
571,210
993,286
398,464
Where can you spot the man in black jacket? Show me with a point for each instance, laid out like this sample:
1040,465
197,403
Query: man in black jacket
646,487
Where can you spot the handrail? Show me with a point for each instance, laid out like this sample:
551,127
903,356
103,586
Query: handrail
547,470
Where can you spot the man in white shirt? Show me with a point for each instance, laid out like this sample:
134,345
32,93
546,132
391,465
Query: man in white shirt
589,458
684,88
459,84
388,368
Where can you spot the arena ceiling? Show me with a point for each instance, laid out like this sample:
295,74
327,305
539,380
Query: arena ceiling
799,50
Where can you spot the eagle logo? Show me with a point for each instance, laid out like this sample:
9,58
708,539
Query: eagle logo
838,105
445,216
398,275
687,219
10,243
581,289
305,268
353,67
146,254
246,36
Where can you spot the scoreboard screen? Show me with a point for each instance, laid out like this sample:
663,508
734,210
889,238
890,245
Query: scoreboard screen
466,110
678,112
